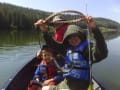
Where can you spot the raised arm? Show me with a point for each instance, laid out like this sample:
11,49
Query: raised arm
99,50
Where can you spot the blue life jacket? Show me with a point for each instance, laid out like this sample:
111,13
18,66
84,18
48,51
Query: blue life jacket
76,60
44,72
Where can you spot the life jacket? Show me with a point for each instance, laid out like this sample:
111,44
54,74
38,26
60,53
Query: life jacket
76,60
51,71
48,70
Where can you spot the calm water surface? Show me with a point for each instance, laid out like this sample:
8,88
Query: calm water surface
107,71
13,58
17,51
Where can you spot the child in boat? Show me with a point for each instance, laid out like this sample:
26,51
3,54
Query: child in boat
80,54
46,72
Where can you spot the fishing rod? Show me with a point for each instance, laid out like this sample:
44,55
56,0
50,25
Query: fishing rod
89,48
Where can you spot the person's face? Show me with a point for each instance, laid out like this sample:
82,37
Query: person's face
46,56
74,40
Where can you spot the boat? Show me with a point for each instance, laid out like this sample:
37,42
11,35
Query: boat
21,79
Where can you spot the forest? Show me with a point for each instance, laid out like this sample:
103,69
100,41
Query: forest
20,18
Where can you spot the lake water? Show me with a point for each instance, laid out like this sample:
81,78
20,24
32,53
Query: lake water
107,71
16,49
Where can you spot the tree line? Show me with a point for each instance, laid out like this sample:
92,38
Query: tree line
20,18
15,17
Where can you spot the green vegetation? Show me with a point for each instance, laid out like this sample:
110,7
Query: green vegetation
107,25
14,17
20,18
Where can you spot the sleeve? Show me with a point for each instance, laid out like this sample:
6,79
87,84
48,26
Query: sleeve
98,49
37,73
58,77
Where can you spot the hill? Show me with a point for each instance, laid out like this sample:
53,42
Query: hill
16,17
107,23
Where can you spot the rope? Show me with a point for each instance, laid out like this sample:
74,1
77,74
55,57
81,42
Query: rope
81,17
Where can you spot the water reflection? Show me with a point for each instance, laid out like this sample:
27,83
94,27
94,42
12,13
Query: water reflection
15,37
111,35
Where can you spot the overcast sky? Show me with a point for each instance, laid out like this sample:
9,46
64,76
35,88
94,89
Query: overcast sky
97,8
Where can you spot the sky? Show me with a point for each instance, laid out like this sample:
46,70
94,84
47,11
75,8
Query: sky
96,8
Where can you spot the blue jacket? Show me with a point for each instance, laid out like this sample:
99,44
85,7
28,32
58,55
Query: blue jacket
44,72
76,60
